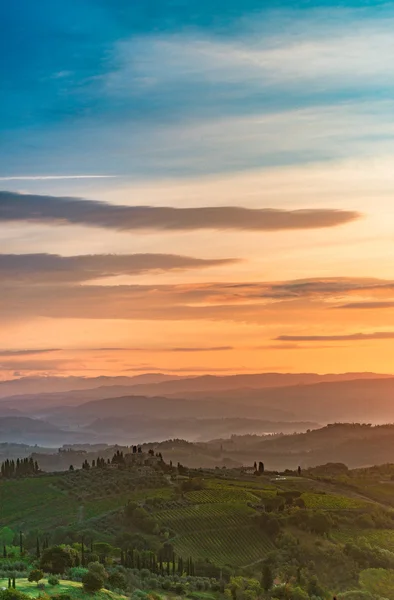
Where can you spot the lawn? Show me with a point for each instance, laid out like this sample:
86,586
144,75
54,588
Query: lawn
72,588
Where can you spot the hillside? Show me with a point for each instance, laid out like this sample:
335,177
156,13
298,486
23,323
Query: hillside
233,519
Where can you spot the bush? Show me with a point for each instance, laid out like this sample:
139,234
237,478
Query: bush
35,575
53,580
98,569
12,594
76,573
117,580
92,582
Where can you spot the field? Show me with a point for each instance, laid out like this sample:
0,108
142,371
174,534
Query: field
331,502
378,582
381,538
69,499
238,546
218,526
72,588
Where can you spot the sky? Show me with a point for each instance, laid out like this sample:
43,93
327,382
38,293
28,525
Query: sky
196,187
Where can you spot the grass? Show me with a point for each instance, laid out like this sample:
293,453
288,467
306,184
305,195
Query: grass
73,588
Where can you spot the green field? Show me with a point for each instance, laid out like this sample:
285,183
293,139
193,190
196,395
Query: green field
72,588
238,546
381,538
379,582
331,502
224,494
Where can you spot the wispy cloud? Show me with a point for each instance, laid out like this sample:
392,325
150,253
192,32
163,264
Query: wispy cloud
49,209
26,352
53,177
366,305
377,335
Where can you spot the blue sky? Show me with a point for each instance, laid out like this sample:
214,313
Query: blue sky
111,87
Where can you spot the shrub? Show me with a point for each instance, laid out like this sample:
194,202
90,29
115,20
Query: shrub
53,580
12,594
76,573
117,580
92,582
35,575
98,569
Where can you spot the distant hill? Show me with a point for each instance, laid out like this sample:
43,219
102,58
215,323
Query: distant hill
205,383
42,385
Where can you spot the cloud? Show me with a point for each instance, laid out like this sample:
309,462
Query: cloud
73,211
165,350
377,335
7,353
253,302
53,177
366,305
42,268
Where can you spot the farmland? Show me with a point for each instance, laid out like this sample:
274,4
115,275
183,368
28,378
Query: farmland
219,522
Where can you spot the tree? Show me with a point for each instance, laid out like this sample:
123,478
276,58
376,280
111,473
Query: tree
36,575
92,582
57,559
117,580
267,579
261,467
99,569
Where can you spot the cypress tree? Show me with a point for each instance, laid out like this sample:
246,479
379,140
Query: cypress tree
4,551
13,583
21,543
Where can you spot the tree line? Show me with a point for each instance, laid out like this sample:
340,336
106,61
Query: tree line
20,467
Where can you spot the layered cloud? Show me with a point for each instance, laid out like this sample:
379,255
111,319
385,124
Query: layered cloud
49,209
244,301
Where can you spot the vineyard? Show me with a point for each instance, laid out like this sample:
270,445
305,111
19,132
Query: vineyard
237,546
220,495
205,517
331,502
218,526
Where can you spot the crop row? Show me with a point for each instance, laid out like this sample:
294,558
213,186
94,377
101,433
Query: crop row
221,495
238,546
204,517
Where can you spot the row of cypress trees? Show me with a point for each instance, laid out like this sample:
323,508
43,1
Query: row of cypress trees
24,466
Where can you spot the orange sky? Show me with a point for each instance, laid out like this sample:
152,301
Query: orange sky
307,287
